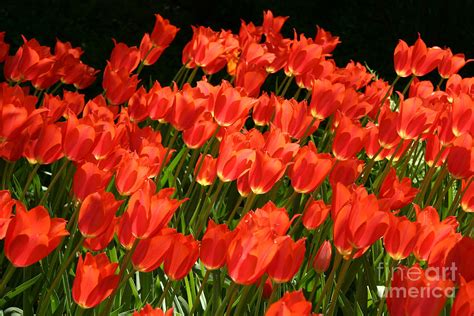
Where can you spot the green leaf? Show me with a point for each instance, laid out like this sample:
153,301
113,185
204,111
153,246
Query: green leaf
19,289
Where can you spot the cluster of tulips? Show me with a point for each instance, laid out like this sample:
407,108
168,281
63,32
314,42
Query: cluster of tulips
264,179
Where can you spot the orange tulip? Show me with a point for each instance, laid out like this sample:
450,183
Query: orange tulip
423,59
88,179
95,280
6,208
414,118
450,64
46,147
78,138
119,86
32,235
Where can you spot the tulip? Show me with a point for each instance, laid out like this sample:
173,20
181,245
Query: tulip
95,280
131,174
402,59
322,259
315,213
214,243
32,235
358,223
414,119
265,172
464,301
401,237
101,241
395,194
151,252
423,59
416,292
148,310
467,201
291,304
198,134
119,86
181,256
263,110
349,139
309,169
326,98
287,260
6,208
78,138
345,172
124,57
46,148
4,47
461,256
88,179
96,213
249,256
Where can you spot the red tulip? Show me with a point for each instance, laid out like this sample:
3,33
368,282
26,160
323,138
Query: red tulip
119,86
358,222
450,64
291,304
214,243
46,147
401,237
124,57
322,259
78,138
103,240
414,118
464,302
467,201
248,256
95,280
148,310
402,59
423,59
181,256
315,213
96,213
309,169
198,134
326,98
346,172
395,194
148,213
32,235
6,208
265,172
88,179
207,172
287,260
417,292
131,174
461,157
304,55
151,252
349,139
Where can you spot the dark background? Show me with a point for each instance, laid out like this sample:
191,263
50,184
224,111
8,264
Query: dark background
369,30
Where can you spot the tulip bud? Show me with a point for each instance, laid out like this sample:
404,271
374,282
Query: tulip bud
323,257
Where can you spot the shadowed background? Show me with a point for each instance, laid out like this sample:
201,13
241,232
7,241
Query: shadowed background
369,30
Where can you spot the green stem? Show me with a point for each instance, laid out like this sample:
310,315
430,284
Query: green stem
339,282
45,300
6,277
31,175
387,284
243,299
53,181
230,292
337,262
288,83
165,291
201,288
